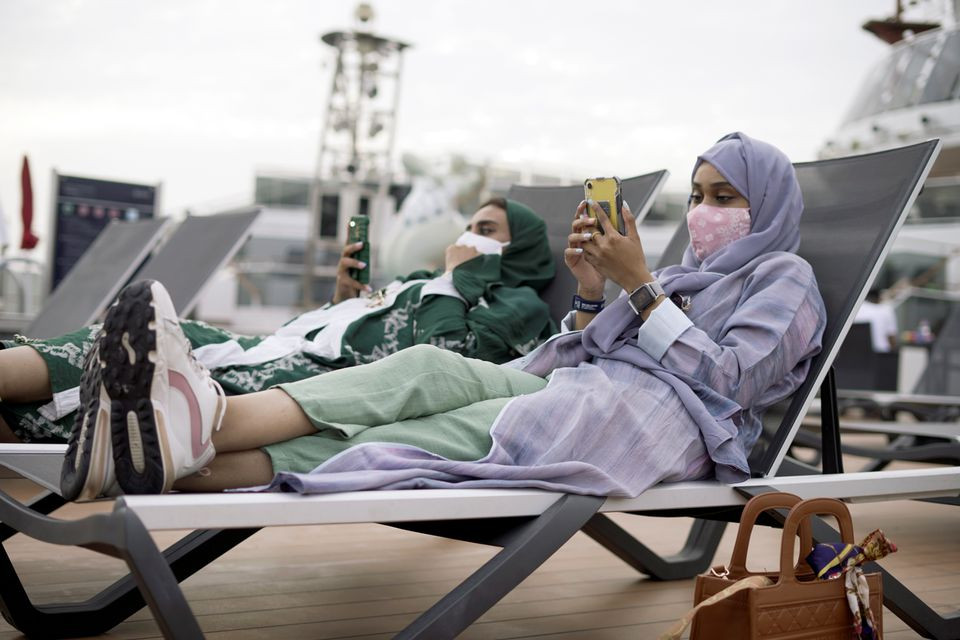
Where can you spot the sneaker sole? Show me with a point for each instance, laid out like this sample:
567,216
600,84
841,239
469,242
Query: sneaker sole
79,480
140,450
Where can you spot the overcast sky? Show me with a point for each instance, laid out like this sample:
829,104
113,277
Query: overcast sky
199,94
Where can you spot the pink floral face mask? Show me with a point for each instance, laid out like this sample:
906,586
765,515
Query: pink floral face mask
712,228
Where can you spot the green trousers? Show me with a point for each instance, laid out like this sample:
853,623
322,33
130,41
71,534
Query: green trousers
422,396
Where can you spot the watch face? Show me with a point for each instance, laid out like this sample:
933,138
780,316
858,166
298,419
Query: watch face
644,296
641,299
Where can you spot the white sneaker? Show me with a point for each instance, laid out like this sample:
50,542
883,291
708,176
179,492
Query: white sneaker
164,406
87,472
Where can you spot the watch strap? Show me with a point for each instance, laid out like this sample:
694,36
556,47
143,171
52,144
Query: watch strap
644,295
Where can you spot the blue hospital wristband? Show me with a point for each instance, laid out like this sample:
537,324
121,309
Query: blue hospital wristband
589,306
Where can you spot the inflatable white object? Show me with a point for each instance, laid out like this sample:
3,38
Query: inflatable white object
425,226
419,244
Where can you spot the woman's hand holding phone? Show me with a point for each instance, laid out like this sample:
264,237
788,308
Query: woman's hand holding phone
347,287
590,282
619,258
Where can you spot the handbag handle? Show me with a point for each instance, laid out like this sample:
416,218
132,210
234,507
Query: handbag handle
754,507
799,516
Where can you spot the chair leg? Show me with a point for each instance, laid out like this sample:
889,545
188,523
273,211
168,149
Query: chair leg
528,547
153,577
694,558
45,503
119,534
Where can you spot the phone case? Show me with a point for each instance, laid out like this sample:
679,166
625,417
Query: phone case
357,232
606,193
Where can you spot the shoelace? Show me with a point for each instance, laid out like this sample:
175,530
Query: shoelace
202,370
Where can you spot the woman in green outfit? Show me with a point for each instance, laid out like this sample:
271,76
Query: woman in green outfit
483,304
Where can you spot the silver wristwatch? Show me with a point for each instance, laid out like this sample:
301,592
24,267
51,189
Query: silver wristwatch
644,295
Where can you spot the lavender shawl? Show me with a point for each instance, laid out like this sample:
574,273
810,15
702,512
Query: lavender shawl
761,318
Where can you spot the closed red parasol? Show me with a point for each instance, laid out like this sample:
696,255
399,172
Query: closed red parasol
29,240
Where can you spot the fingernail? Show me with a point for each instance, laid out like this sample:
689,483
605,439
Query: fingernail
363,265
584,216
367,288
358,244
587,236
578,250
589,201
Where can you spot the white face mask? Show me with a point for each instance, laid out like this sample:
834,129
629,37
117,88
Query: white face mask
483,244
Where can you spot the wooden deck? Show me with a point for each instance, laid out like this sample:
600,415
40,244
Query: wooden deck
368,581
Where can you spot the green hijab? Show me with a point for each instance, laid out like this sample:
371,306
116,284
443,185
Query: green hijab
527,260
508,283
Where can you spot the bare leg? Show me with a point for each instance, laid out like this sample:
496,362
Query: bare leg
6,433
230,471
23,376
250,422
257,419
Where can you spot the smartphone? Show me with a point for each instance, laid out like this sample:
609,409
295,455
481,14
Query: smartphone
357,232
606,193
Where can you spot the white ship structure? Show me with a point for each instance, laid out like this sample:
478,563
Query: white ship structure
913,94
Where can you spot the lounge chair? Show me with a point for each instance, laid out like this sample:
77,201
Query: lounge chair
97,277
934,402
125,251
858,366
854,206
197,249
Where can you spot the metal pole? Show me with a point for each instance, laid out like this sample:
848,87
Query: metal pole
310,251
388,174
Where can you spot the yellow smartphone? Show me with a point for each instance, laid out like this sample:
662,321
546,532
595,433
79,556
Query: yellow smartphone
606,193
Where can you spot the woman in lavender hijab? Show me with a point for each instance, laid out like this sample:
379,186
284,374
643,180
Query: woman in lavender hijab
666,383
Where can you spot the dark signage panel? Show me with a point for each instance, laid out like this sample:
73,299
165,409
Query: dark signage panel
84,206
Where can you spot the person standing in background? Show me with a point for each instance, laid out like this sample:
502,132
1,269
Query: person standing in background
883,322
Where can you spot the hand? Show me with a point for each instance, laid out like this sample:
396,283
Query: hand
347,287
590,281
457,254
619,258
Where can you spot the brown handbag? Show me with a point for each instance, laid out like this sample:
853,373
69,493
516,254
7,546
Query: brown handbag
796,605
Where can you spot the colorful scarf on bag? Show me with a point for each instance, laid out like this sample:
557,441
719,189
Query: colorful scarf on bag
835,559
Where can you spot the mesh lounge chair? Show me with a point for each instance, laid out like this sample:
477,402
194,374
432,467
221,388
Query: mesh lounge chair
935,402
853,204
122,252
97,277
858,366
935,396
197,249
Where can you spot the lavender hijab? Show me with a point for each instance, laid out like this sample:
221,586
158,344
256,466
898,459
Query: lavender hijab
763,175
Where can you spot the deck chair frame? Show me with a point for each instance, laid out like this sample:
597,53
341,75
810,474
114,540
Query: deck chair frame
934,438
199,247
529,526
97,277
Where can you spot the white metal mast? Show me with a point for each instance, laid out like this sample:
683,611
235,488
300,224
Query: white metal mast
357,138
